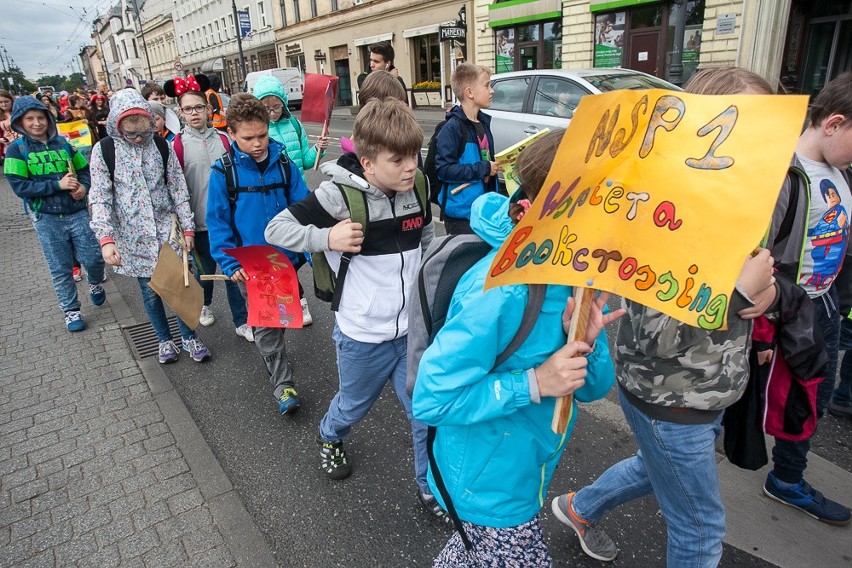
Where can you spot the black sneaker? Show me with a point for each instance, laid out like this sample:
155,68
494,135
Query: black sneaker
333,460
431,504
808,500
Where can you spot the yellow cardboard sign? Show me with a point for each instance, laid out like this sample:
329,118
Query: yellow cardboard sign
508,157
77,133
657,196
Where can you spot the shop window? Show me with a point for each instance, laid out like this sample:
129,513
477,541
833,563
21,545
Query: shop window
528,46
428,51
647,17
509,94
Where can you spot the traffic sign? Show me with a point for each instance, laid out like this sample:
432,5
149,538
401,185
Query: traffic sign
178,66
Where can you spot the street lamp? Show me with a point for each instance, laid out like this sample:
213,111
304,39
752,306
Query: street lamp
135,12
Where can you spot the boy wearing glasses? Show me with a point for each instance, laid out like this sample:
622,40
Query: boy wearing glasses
197,146
132,210
37,167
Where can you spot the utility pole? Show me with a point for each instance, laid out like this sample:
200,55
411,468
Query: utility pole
239,38
676,67
144,43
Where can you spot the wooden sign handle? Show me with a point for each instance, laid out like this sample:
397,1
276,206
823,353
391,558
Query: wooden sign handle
319,152
214,277
583,298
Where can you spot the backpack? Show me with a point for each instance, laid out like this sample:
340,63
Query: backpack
108,152
232,183
328,286
429,164
445,262
177,144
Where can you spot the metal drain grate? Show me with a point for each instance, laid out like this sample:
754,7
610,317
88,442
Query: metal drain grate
143,341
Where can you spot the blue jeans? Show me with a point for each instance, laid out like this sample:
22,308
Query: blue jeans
677,463
64,238
364,369
206,265
157,313
791,458
843,393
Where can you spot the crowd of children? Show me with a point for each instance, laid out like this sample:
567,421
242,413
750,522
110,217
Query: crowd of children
248,187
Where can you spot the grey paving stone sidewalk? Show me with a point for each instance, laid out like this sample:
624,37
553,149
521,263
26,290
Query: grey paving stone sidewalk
97,468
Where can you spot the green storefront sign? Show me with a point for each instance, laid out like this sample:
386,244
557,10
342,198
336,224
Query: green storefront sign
601,5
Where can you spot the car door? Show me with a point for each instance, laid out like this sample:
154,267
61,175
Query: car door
552,103
507,117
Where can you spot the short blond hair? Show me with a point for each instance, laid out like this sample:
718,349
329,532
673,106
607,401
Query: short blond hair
389,125
726,81
465,76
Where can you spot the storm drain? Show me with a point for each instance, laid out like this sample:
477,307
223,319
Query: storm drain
143,340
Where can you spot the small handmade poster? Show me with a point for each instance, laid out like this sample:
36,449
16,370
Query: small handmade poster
318,97
78,134
272,286
509,156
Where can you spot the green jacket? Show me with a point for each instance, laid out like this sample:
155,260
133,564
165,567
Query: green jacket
288,131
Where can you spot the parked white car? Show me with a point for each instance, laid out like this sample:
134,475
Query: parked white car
525,102
291,77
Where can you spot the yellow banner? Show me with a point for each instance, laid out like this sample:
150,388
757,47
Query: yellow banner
509,156
657,196
76,132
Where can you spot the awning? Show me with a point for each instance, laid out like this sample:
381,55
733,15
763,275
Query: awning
372,39
212,65
421,31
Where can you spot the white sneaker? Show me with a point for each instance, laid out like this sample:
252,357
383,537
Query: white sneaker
306,314
206,318
245,332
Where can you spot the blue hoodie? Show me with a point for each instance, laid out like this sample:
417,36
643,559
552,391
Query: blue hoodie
253,210
494,446
454,170
34,168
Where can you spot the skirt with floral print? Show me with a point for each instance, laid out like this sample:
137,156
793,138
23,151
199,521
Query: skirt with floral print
521,546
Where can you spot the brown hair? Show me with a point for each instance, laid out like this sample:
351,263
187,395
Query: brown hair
245,108
465,76
726,81
151,88
197,94
5,95
834,98
381,85
385,124
532,168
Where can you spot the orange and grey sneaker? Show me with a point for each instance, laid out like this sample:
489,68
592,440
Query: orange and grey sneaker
595,542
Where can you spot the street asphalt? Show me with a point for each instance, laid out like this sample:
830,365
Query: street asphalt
253,476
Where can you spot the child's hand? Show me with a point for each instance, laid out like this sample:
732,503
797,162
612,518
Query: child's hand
495,167
189,242
597,319
764,357
111,255
756,274
762,300
564,371
79,193
346,236
322,143
239,276
69,182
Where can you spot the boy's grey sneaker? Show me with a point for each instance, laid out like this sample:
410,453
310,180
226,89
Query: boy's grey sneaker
333,460
206,318
306,313
840,409
197,350
74,321
245,332
594,541
807,499
97,294
168,352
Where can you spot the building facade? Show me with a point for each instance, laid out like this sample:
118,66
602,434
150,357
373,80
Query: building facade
105,40
157,34
90,62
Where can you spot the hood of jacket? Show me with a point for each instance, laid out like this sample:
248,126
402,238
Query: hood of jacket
489,218
347,171
123,101
269,85
457,111
23,105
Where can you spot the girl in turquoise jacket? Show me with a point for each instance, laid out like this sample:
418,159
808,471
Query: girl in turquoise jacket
494,445
284,128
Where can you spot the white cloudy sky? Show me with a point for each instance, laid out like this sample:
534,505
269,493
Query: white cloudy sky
43,36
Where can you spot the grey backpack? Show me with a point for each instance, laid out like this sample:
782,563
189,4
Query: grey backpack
443,265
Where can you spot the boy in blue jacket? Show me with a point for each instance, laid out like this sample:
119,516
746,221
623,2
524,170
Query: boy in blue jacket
275,182
37,167
474,172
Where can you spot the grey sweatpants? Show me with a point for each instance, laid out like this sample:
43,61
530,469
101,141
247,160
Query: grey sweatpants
273,349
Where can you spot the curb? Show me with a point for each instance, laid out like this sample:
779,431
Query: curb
242,536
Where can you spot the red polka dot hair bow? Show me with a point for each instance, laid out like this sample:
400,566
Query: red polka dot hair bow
190,84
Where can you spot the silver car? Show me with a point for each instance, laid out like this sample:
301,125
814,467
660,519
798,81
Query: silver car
525,102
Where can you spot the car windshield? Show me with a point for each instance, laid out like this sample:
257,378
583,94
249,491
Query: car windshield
615,81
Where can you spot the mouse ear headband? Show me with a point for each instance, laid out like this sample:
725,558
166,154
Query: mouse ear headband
180,86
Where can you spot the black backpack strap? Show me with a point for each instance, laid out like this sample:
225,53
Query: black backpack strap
442,488
359,212
790,216
231,186
531,311
284,168
108,153
163,147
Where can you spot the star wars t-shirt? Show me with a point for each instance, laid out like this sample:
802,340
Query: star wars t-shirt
828,227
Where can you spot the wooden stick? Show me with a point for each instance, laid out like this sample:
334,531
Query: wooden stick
185,267
457,189
214,277
583,298
332,138
324,133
